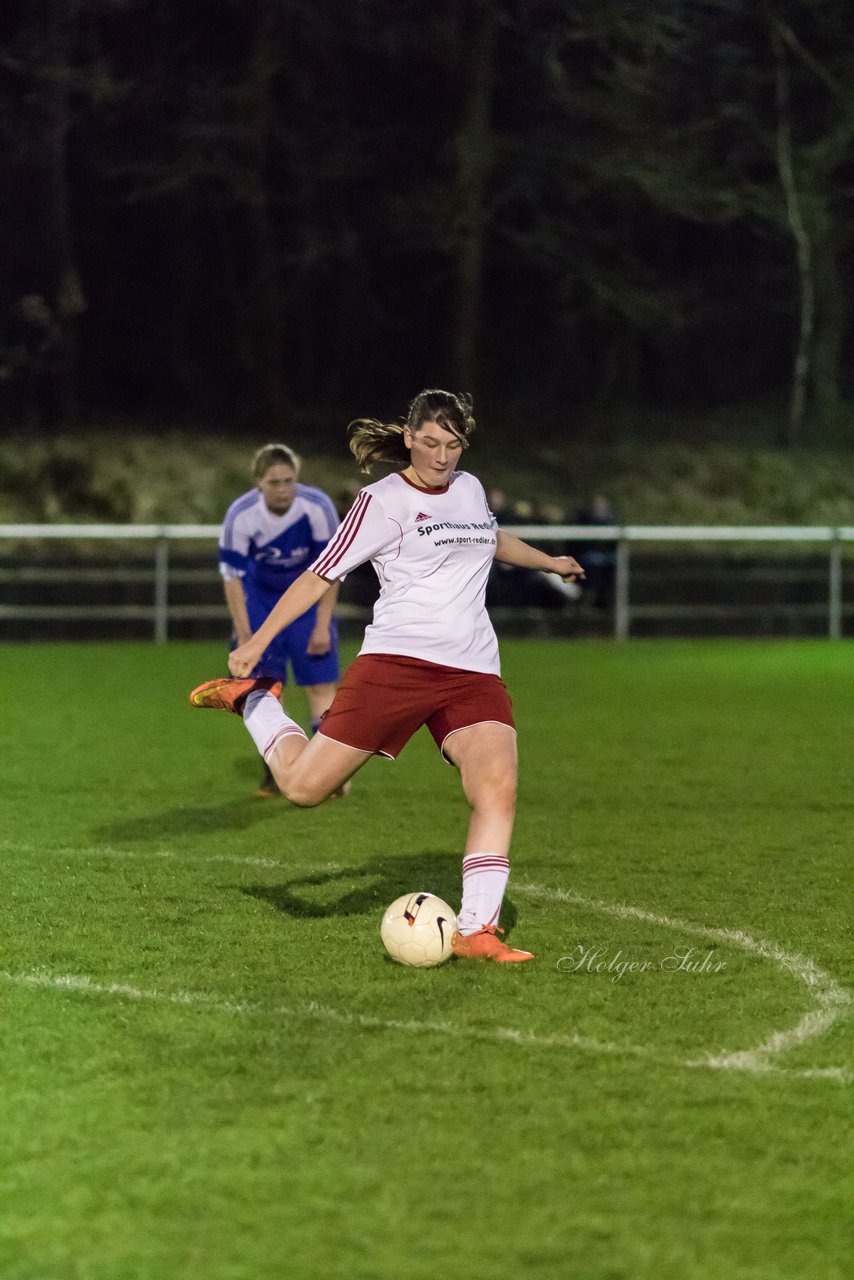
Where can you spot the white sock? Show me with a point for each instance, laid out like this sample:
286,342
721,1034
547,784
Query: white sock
484,881
264,717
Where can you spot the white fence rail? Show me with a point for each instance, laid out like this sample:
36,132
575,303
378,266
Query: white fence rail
162,536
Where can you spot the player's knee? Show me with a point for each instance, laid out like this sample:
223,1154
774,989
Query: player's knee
496,791
303,795
506,794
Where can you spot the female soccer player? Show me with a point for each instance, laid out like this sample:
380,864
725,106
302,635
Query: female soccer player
269,536
430,655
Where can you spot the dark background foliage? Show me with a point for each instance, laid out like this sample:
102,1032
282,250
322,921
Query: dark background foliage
241,209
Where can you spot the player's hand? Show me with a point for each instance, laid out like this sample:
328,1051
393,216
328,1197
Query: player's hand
244,659
319,642
568,568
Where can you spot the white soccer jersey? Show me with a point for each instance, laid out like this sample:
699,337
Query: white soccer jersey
432,551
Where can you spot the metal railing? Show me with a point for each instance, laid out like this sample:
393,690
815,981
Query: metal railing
622,537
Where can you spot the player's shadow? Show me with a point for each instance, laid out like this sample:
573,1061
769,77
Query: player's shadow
235,815
368,889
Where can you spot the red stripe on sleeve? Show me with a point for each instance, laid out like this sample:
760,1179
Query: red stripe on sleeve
344,537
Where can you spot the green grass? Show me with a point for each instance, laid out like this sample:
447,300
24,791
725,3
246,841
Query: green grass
248,1089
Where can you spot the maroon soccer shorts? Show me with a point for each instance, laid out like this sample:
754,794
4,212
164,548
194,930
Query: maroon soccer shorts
384,698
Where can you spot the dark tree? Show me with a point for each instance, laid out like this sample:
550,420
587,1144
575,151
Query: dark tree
281,207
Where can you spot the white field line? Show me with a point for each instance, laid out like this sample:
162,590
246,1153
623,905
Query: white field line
321,1013
110,851
312,1010
833,1000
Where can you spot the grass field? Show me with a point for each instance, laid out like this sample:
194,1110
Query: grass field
212,1072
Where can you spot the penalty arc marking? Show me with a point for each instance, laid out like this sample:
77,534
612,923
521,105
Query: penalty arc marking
832,1002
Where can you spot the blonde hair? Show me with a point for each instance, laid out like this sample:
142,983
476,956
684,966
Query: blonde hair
373,441
274,455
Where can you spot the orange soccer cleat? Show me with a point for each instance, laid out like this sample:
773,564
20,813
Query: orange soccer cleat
229,695
484,945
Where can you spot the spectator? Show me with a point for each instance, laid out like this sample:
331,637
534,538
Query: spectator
508,585
512,587
502,508
599,558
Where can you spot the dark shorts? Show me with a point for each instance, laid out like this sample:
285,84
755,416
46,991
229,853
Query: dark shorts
384,699
290,645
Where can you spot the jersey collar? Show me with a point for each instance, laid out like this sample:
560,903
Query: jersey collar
420,488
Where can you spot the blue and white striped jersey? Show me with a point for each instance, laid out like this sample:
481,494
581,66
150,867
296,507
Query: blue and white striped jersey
270,551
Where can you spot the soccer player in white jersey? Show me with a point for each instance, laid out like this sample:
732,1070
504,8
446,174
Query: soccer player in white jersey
270,535
430,655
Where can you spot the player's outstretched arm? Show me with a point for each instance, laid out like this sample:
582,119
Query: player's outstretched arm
512,550
300,595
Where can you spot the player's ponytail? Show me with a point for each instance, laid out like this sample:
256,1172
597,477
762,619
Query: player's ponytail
372,441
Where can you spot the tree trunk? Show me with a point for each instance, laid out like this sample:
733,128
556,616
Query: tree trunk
829,327
474,159
793,431
66,295
809,196
263,294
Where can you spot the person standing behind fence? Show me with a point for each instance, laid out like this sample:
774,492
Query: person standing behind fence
270,535
599,558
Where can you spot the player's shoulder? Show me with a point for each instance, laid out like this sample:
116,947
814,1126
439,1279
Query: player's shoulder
318,507
466,480
467,486
385,484
385,491
246,502
310,493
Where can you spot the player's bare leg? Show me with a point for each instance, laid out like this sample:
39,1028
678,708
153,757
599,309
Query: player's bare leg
309,772
485,755
306,772
319,701
319,697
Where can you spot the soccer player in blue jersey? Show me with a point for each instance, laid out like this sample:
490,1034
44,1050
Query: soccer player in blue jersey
270,535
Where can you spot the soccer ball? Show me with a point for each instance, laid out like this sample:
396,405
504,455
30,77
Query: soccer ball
417,930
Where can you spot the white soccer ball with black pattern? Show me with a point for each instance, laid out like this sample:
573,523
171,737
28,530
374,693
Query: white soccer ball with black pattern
417,929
